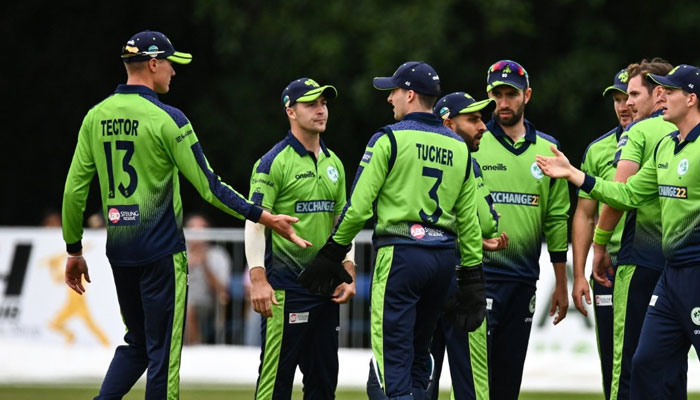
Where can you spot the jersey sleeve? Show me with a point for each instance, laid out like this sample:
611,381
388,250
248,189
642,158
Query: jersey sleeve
588,167
640,189
265,184
369,178
632,145
186,153
556,219
82,170
468,228
488,217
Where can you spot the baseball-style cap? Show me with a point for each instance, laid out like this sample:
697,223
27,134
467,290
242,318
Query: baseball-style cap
412,75
686,77
304,90
619,82
458,103
151,44
507,72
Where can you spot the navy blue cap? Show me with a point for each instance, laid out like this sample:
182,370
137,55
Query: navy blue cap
684,76
304,90
458,103
507,72
146,45
412,75
619,82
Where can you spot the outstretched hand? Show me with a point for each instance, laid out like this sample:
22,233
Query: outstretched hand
495,244
554,167
282,224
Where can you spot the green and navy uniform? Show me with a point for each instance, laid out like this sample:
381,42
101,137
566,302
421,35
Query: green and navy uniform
137,146
467,352
599,160
531,205
303,329
640,259
672,322
415,178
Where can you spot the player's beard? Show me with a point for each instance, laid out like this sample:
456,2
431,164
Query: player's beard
511,121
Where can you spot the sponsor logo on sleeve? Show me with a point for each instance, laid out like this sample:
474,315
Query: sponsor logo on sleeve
367,156
299,318
123,215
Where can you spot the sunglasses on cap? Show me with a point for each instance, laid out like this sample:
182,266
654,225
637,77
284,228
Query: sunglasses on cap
511,65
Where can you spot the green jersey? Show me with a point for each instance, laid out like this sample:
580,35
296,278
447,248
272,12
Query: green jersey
641,238
670,178
137,145
530,203
290,180
488,217
599,160
417,175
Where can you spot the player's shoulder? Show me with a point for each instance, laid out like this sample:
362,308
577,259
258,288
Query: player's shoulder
604,140
476,167
264,164
547,138
169,112
424,122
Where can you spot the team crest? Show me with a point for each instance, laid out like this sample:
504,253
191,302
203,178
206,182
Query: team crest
695,315
624,76
536,171
683,167
444,112
332,173
311,82
532,304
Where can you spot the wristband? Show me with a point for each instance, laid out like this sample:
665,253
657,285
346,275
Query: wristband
601,236
72,256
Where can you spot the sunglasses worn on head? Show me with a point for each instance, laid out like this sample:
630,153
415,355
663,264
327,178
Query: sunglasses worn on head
512,65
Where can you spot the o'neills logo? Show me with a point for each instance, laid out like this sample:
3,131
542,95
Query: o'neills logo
113,215
417,231
496,167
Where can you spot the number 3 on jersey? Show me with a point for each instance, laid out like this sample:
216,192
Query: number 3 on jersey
128,147
437,174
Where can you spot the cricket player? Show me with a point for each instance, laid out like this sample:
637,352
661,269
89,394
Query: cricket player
415,178
301,177
137,145
530,205
598,160
467,351
670,177
640,259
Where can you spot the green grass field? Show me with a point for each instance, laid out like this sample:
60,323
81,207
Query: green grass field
12,392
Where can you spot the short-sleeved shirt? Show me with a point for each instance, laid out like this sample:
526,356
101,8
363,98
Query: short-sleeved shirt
290,180
599,160
671,178
137,145
641,238
415,177
530,203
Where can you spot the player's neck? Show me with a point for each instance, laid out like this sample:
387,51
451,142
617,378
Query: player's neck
687,125
310,140
140,80
515,132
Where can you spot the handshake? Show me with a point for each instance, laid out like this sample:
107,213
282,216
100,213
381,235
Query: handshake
326,271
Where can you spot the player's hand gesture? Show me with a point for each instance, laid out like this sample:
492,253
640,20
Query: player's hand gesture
282,224
554,167
76,268
345,291
581,290
602,265
560,303
495,244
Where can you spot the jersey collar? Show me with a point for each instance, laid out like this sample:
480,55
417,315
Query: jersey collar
618,132
136,89
427,118
530,131
300,149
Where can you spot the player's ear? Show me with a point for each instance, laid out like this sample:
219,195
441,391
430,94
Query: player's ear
528,94
152,64
447,123
290,113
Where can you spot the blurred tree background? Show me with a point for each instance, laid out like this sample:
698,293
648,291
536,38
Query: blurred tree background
61,58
